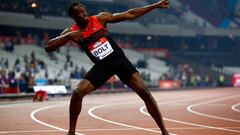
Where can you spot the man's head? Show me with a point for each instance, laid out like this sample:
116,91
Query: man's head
78,12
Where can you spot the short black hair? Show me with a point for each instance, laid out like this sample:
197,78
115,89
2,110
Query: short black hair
72,5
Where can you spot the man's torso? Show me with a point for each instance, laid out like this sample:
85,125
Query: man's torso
97,43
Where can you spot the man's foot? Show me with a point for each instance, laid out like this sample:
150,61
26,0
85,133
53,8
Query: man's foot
69,133
166,133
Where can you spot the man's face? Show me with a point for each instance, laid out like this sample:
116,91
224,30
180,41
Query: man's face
80,14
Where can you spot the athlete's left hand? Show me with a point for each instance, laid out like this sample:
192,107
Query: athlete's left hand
162,4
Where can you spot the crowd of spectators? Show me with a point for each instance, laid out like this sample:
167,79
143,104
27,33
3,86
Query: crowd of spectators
206,44
22,75
15,82
185,44
190,78
23,78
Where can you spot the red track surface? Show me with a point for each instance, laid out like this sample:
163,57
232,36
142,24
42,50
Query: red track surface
189,112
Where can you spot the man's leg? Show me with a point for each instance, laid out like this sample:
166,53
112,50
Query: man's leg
137,84
83,88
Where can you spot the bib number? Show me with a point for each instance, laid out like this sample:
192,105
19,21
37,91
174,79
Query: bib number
101,49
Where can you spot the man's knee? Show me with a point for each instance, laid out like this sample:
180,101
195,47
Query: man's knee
80,92
83,88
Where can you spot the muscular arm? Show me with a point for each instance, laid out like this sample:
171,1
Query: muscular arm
65,36
55,43
130,14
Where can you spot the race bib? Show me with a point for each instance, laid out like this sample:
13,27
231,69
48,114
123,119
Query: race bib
101,49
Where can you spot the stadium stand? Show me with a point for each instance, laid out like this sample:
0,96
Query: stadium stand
57,66
44,7
199,50
219,14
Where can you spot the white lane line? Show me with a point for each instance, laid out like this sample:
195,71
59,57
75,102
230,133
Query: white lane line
189,108
28,131
234,107
189,123
193,124
103,129
45,124
90,112
13,105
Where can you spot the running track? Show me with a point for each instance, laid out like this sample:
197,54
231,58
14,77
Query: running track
186,112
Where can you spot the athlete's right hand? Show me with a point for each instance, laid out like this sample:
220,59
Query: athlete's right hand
162,4
76,36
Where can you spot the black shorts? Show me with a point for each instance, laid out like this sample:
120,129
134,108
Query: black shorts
101,72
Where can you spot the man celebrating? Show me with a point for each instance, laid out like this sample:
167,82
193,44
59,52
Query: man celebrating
91,33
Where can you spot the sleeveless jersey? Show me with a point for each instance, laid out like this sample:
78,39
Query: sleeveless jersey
97,43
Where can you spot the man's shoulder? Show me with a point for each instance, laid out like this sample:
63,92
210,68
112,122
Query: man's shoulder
103,15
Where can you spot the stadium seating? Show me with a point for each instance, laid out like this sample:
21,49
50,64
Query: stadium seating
56,69
45,7
186,30
221,11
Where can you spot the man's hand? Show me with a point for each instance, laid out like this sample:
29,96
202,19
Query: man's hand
55,43
162,4
76,36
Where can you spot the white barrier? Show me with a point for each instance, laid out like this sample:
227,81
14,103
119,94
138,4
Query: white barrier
51,89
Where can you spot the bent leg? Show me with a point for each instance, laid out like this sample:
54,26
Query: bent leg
137,84
83,88
95,78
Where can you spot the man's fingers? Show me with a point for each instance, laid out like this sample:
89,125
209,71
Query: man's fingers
166,2
77,36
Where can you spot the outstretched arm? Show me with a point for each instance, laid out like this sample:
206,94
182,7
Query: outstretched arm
65,36
131,14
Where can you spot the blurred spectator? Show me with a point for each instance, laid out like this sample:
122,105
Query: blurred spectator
2,62
25,58
17,71
142,63
221,80
6,63
52,56
146,76
12,83
9,46
3,81
23,83
83,72
45,37
31,84
41,64
16,63
78,74
68,58
37,39
33,58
